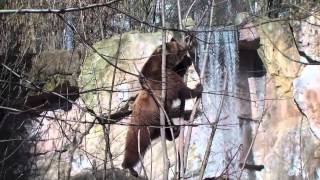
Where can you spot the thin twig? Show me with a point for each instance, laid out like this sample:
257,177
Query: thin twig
106,128
150,155
140,156
205,60
213,131
179,155
189,9
163,97
254,138
56,11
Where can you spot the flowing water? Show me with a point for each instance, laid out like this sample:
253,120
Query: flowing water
222,63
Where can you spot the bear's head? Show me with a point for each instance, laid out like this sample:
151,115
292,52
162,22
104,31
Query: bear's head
177,59
176,53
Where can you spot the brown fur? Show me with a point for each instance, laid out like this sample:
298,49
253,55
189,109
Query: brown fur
146,110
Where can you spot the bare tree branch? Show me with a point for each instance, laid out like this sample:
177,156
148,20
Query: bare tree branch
56,11
196,104
163,97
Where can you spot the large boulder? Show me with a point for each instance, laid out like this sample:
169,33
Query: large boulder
86,151
128,51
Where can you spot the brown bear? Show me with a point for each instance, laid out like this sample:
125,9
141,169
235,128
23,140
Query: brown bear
181,68
146,112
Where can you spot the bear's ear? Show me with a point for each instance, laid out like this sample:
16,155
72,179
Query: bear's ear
173,40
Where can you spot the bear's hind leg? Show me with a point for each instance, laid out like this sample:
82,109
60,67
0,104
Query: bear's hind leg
131,156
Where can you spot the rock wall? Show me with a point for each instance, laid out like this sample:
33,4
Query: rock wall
287,141
282,108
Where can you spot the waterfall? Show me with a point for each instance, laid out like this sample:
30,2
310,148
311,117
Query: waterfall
68,36
222,63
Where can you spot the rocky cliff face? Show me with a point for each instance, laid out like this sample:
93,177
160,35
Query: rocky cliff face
279,110
287,142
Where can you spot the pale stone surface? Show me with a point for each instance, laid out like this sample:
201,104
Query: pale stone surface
287,142
307,34
277,146
307,95
248,35
279,54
